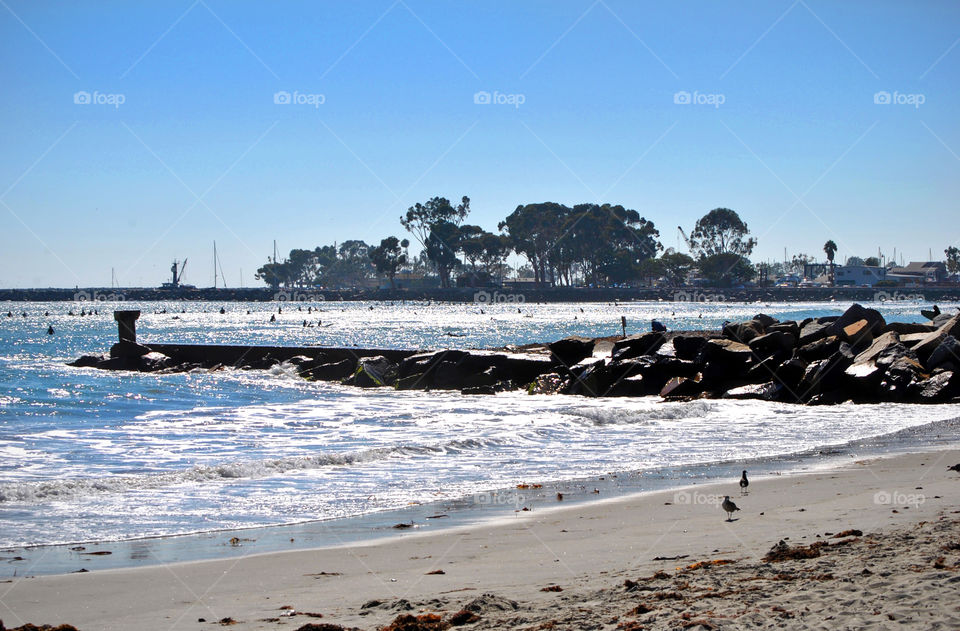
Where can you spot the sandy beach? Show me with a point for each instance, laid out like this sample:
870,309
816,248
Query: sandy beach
885,554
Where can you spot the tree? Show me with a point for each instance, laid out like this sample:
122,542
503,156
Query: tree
726,268
854,260
607,242
721,231
953,259
533,231
441,247
871,261
389,256
430,223
676,266
830,248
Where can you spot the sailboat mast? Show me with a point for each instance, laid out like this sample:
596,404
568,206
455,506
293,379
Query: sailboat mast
214,264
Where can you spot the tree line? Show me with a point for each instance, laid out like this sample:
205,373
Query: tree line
584,245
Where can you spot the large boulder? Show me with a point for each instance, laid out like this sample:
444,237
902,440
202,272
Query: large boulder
765,321
776,342
632,387
593,381
878,346
726,351
789,326
682,388
688,346
790,372
374,372
571,350
333,371
638,345
125,348
766,391
87,361
905,328
424,363
743,332
551,383
826,375
859,335
940,387
946,355
821,349
875,322
901,377
154,361
813,331
925,347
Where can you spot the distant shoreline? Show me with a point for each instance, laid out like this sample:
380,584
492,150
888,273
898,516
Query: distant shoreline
490,295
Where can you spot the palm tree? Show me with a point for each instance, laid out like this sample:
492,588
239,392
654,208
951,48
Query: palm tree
831,249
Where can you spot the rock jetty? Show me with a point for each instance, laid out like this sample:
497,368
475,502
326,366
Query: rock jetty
856,356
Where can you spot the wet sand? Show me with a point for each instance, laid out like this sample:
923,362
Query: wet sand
642,561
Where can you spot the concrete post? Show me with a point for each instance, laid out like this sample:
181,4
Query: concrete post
127,325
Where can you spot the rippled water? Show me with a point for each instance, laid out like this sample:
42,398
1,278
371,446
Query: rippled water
92,455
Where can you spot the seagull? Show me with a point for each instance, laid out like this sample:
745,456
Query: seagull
729,506
744,483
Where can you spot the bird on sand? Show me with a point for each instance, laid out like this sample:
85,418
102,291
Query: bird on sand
744,483
729,506
955,467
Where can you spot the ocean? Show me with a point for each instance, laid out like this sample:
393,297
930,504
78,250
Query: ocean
186,461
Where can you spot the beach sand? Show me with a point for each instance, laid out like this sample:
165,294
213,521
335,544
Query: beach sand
651,561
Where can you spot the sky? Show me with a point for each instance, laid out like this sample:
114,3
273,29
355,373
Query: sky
135,133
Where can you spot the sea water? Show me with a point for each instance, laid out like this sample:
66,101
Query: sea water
92,456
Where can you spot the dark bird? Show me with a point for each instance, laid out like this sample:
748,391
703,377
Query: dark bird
744,483
955,467
729,506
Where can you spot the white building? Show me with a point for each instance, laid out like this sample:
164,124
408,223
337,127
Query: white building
859,275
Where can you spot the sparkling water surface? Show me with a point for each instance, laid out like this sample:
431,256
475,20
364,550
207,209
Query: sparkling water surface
88,455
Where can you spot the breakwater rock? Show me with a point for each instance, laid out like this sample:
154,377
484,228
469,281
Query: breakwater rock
856,356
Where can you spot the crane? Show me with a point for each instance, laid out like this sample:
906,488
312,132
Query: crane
685,238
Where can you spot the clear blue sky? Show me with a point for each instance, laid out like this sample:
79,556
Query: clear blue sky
798,146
